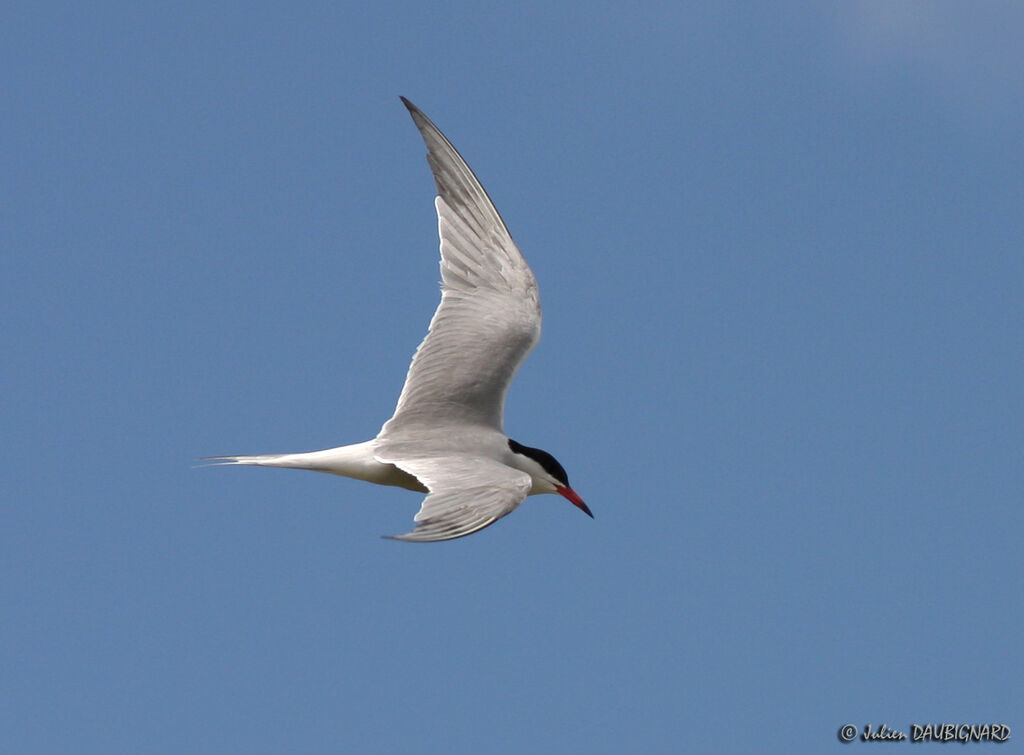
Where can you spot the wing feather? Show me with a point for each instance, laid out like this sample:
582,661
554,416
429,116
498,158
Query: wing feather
489,317
466,494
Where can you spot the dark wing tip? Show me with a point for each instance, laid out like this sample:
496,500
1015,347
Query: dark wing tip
427,128
414,111
440,530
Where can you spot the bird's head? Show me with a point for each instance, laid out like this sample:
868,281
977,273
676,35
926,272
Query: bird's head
548,475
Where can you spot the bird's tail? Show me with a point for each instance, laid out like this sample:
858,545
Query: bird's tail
356,460
262,460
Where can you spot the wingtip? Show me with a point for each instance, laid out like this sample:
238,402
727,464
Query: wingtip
408,105
423,123
405,537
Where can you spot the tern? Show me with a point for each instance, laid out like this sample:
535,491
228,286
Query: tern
445,438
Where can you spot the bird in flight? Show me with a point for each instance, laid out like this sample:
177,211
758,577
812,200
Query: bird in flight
445,438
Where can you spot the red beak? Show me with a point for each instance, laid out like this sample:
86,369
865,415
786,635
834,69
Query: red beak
576,500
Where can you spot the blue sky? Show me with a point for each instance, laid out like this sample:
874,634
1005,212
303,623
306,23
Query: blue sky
779,252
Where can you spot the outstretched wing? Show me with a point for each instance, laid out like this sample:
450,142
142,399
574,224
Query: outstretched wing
466,494
489,316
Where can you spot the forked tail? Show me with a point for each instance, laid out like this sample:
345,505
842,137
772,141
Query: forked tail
262,460
356,461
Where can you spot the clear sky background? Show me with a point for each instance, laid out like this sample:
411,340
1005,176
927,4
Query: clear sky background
779,247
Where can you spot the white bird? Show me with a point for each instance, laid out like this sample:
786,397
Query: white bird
445,438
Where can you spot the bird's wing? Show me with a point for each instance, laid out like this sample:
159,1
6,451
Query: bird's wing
489,316
467,493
